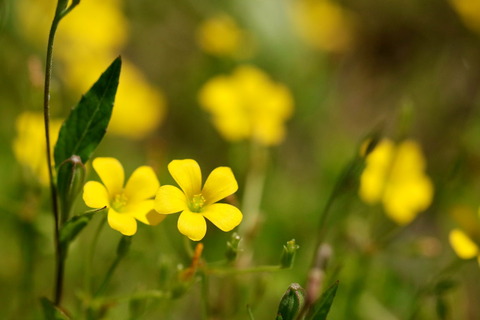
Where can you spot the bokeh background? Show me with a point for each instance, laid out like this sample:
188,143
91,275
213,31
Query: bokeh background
351,68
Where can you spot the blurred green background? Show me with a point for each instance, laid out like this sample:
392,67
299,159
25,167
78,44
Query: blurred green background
400,69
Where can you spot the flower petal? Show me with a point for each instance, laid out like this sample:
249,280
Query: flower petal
170,199
124,223
463,246
187,174
224,216
143,211
193,225
111,172
220,184
95,195
143,184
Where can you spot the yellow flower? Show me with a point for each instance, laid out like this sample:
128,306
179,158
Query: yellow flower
196,203
220,36
248,105
125,204
324,24
394,175
29,146
469,12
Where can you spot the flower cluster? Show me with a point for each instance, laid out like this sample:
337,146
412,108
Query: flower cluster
248,105
395,176
135,201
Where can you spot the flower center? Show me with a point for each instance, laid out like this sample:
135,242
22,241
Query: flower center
119,202
197,202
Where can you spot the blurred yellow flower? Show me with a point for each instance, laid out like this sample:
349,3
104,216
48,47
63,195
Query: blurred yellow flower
196,203
395,176
125,204
220,36
464,247
248,105
324,24
88,40
29,145
464,240
469,12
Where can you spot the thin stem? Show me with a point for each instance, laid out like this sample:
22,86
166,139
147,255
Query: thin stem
108,276
91,253
59,259
254,185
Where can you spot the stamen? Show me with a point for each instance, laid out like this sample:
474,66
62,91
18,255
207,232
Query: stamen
197,203
119,202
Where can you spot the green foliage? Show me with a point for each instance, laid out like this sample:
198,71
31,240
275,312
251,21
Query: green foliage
321,307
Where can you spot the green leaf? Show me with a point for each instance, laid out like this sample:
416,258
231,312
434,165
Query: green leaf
72,228
321,307
52,312
87,123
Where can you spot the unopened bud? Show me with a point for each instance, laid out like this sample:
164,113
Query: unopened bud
292,303
288,254
70,180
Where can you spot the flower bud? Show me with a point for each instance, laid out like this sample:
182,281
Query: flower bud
292,303
288,254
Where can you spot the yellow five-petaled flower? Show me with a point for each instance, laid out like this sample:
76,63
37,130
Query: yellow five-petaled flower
125,204
196,203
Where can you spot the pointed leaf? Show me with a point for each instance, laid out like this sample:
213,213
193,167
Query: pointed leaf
321,307
87,123
72,227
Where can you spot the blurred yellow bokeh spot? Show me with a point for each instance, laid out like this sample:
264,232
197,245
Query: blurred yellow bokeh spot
248,105
469,12
395,176
324,24
29,144
220,36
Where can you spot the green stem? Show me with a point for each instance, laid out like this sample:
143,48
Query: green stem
108,276
254,185
91,253
122,250
59,261
60,12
